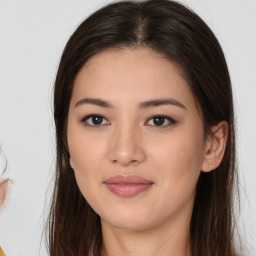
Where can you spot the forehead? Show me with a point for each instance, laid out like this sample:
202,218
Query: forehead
138,61
130,75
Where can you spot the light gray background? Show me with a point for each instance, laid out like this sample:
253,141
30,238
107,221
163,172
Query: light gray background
32,36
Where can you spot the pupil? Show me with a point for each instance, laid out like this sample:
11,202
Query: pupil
96,120
158,120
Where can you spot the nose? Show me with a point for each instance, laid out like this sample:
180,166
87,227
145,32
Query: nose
126,147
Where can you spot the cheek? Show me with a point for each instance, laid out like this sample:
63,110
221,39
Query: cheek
86,151
86,157
178,171
178,162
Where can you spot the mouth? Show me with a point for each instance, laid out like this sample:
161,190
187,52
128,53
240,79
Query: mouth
127,186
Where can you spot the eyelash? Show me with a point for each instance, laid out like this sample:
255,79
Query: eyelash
169,119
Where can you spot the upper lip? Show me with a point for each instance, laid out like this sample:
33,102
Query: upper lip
127,179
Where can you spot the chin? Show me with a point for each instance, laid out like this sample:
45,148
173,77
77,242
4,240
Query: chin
129,224
130,220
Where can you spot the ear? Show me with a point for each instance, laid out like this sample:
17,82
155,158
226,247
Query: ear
71,162
215,147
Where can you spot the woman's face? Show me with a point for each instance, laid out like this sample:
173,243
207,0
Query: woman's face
135,137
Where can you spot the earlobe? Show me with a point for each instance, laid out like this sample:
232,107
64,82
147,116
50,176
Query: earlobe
215,147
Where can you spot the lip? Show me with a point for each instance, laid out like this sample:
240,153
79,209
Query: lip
127,185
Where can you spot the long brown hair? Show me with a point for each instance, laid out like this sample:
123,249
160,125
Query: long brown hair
179,34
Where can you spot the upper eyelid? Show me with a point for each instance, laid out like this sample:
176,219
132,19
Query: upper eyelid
84,119
170,120
163,116
92,115
148,119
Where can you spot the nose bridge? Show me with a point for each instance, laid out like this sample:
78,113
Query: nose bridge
126,145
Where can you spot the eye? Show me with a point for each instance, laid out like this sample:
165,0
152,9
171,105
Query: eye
94,120
161,121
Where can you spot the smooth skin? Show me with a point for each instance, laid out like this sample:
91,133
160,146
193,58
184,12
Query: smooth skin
128,137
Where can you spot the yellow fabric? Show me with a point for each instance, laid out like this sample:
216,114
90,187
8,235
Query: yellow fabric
1,252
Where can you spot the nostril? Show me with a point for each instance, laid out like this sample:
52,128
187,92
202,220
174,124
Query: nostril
125,162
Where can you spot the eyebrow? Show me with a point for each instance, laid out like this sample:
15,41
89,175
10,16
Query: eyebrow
145,104
159,102
97,102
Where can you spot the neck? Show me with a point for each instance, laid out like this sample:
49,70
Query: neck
168,239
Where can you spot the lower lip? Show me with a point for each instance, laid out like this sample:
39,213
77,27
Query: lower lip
128,190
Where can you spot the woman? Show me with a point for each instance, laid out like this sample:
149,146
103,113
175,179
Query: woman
145,137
